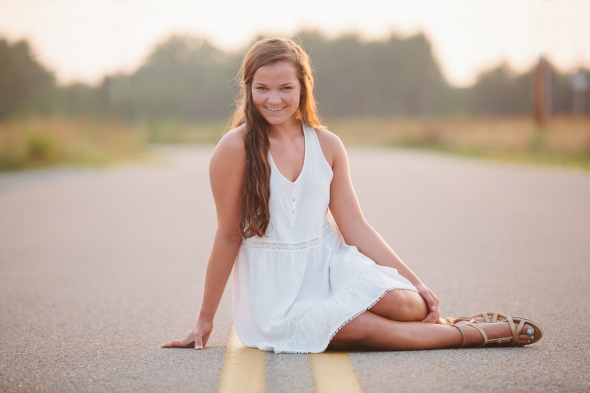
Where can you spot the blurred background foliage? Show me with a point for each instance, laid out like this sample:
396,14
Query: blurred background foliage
188,78
184,92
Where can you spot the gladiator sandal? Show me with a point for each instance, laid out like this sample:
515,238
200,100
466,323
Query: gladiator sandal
486,317
516,330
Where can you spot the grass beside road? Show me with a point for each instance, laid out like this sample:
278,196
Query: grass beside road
576,161
38,142
564,142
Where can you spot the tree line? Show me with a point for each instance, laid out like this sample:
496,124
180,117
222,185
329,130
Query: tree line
189,79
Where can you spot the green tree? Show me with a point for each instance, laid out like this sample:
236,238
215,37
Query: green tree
501,91
184,77
25,85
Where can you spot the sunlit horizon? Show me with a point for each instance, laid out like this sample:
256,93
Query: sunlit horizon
83,40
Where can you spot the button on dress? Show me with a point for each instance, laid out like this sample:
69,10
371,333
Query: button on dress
295,288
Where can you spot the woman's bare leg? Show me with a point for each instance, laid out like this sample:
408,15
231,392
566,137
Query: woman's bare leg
370,331
403,305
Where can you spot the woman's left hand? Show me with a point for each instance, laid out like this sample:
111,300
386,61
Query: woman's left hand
432,302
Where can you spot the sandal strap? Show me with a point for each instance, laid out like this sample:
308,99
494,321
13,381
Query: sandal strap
487,340
486,317
485,336
462,334
516,332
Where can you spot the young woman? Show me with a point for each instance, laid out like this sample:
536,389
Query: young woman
309,273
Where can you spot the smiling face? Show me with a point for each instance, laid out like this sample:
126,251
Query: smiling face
276,91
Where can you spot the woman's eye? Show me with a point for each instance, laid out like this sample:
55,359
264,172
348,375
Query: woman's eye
283,88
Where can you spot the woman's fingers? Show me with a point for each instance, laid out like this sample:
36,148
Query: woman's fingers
175,344
198,340
205,338
436,312
188,342
436,315
429,300
427,318
433,304
193,340
431,317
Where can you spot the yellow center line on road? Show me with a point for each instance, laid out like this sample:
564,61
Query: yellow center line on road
243,368
333,372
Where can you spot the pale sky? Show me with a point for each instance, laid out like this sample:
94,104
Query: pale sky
81,40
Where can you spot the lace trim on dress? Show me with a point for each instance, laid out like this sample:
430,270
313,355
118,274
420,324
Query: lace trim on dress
295,320
339,327
327,228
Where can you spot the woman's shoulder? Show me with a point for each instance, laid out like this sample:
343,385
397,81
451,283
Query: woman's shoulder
231,146
233,139
331,144
232,142
327,137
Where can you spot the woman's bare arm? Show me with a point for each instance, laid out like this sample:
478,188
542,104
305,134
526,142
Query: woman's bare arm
226,174
347,213
355,230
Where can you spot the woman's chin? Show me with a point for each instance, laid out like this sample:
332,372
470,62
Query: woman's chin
277,121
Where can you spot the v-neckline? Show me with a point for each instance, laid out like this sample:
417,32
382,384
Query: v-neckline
305,148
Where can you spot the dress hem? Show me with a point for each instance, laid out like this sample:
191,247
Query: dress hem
341,325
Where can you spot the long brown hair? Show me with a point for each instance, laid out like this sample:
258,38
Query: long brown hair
256,191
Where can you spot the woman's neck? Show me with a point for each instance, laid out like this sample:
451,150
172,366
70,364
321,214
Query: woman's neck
287,130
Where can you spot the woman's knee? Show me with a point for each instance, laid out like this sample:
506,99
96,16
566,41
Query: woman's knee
415,306
401,305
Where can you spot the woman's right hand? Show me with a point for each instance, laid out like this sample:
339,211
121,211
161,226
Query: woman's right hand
197,338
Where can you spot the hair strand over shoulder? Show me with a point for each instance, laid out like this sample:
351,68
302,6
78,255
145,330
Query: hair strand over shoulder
256,192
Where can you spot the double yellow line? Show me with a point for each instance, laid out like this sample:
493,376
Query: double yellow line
243,370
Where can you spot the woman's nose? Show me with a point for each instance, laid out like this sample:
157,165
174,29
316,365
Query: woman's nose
274,98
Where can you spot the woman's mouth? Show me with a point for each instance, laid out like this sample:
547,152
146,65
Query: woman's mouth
275,109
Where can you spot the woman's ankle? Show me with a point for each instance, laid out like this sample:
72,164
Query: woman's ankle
472,336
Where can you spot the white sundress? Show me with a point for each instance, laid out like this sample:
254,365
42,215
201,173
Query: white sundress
293,290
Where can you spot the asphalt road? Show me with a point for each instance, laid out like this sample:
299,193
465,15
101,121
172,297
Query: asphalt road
99,267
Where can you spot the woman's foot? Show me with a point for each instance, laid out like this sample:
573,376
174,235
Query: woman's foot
494,330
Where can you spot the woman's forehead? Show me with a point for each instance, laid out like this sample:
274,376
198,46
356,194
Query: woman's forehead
276,73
